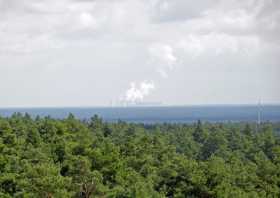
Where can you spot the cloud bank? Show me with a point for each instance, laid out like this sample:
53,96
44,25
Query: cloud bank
85,53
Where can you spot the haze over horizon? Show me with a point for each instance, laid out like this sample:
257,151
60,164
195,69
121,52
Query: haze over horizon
144,105
97,52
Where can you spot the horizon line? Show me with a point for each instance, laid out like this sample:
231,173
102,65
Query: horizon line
141,106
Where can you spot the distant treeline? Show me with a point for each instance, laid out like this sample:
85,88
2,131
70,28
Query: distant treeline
60,158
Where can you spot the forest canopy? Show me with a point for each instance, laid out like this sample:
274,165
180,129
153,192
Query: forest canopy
46,157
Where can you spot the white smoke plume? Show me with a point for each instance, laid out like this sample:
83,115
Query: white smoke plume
163,56
136,93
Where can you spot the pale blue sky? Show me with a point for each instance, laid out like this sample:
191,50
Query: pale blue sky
98,52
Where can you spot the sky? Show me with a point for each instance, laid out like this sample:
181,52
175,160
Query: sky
102,52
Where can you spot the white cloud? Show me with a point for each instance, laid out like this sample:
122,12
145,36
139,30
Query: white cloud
87,20
178,10
218,45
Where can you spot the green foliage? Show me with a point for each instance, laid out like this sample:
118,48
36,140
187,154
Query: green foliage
49,158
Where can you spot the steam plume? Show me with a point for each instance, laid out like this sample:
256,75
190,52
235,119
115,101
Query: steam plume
136,93
163,56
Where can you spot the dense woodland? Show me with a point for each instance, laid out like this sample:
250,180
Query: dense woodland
52,158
